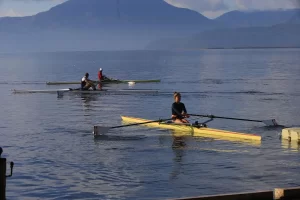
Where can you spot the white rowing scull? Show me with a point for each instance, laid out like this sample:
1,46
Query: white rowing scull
62,91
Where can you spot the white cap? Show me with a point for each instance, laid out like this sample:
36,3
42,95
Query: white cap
100,69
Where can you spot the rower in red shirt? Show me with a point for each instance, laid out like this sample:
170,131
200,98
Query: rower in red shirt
100,78
100,75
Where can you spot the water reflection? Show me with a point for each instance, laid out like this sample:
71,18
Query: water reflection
178,147
88,98
100,86
178,142
290,145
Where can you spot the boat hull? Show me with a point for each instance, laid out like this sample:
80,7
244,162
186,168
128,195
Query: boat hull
104,82
203,131
54,91
63,91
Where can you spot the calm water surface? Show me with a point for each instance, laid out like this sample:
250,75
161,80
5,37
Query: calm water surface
56,157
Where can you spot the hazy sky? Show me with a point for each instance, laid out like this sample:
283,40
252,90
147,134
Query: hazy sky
209,8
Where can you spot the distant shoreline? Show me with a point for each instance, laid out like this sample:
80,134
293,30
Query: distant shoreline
229,48
181,49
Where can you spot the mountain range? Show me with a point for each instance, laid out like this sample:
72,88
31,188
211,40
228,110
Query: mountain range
277,36
99,14
238,19
135,24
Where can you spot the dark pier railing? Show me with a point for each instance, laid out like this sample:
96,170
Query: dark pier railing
3,175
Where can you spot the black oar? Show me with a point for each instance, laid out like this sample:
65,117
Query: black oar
270,122
100,130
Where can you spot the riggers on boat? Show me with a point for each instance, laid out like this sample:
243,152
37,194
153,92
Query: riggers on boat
196,130
105,82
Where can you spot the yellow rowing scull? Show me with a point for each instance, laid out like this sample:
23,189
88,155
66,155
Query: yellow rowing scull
196,130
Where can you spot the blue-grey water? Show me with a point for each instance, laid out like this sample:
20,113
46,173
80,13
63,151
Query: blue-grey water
56,156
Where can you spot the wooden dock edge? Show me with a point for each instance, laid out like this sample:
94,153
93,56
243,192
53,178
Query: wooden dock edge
276,194
2,178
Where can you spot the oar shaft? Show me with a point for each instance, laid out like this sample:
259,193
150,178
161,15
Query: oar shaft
240,119
161,120
101,130
232,118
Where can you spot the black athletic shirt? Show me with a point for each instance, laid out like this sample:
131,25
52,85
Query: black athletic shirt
177,109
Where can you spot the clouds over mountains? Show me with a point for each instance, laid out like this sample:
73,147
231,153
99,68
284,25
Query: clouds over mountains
214,8
266,4
15,8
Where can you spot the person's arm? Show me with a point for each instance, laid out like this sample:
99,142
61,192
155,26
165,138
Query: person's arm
184,111
90,82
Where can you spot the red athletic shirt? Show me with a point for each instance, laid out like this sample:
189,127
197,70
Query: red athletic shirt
100,76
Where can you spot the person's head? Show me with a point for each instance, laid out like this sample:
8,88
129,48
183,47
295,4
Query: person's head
100,69
87,75
177,97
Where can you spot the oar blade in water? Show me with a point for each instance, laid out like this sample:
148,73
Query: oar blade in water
101,130
271,122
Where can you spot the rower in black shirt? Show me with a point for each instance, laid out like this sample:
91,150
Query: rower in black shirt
179,112
86,83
